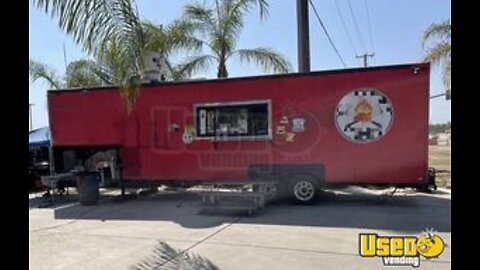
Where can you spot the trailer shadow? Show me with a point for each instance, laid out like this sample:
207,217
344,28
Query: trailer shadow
412,213
38,200
407,213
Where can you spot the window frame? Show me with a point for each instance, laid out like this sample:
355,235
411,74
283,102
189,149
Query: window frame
267,102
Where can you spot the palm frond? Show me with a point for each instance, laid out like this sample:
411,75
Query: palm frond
166,257
447,73
220,28
114,67
39,70
174,72
246,6
267,58
176,36
113,63
200,16
441,51
155,37
180,35
171,71
81,73
231,22
437,30
129,91
234,12
221,44
231,17
96,24
92,22
103,74
263,5
195,64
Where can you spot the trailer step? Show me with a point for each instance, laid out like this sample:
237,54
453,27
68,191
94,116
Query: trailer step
251,194
232,200
214,196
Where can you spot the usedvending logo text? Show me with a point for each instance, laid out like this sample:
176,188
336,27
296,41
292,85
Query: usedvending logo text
401,250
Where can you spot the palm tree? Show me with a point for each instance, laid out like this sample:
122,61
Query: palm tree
440,53
219,28
117,68
166,41
112,32
94,23
79,73
99,26
38,70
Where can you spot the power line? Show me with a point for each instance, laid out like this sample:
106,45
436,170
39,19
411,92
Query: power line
346,30
369,26
356,25
326,33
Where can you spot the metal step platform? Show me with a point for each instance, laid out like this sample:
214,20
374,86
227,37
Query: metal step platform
224,196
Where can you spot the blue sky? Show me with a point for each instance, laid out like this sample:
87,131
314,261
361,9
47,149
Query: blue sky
396,28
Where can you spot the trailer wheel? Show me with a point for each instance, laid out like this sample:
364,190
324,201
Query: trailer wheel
304,189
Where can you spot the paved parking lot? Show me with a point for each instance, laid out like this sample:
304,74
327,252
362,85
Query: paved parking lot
121,235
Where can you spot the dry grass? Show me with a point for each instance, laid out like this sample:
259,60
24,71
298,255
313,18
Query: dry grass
440,159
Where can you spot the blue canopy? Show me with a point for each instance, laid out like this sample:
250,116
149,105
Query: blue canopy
39,137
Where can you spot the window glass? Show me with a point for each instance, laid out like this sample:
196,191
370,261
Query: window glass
233,120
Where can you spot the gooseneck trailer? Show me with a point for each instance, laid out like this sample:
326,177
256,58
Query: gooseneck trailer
303,131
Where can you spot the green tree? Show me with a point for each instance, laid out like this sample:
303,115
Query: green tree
439,128
218,28
169,40
79,73
95,23
38,70
112,32
101,26
440,52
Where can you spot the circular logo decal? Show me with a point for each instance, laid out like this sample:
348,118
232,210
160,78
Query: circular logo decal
364,115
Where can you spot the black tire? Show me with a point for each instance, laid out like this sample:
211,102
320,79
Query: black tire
304,189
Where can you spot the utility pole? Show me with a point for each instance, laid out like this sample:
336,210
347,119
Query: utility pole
30,114
364,56
65,57
303,35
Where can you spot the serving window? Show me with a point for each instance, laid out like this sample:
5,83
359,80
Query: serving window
233,120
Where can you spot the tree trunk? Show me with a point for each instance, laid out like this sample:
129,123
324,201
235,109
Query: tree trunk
222,70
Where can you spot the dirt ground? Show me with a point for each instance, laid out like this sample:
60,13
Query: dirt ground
440,159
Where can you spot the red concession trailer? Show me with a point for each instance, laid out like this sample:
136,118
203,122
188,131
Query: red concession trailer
366,126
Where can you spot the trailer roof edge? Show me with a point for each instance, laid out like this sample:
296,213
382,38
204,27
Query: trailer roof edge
268,76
